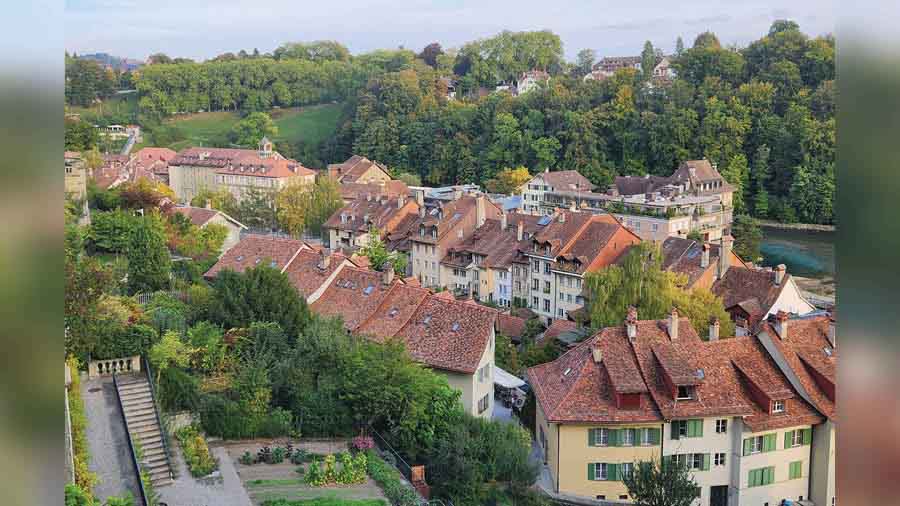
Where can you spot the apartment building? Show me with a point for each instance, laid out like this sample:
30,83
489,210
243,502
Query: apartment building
564,248
360,170
76,175
204,216
440,228
533,192
350,227
724,410
236,170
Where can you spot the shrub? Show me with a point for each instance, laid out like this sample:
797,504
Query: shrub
222,417
84,478
75,496
398,492
278,423
330,472
247,459
314,475
363,443
178,390
277,455
196,451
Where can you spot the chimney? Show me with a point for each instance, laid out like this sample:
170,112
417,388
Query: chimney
503,221
573,207
479,211
387,275
561,216
420,198
520,230
714,329
324,258
704,259
598,355
400,202
781,325
631,323
457,193
673,324
832,336
368,197
724,255
779,274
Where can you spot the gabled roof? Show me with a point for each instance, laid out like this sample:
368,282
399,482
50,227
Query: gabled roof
353,168
354,295
741,285
566,180
307,272
246,162
808,353
253,249
449,335
368,211
510,326
392,189
200,216
395,310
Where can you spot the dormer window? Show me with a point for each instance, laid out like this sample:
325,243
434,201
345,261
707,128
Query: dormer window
777,407
685,393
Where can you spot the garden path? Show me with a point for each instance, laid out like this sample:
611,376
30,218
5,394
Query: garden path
188,491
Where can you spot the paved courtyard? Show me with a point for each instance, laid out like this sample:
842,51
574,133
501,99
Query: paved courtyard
224,490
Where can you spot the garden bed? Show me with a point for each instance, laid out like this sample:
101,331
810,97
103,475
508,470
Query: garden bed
271,482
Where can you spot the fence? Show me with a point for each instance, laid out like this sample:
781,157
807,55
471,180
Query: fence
386,449
144,298
415,475
113,366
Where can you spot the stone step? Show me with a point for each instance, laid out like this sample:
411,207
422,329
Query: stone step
152,452
140,416
139,408
133,398
160,472
155,461
161,482
145,434
155,444
136,426
134,385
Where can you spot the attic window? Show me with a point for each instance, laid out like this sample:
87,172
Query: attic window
567,371
434,211
239,258
427,320
368,290
700,374
827,351
777,406
393,312
455,326
685,393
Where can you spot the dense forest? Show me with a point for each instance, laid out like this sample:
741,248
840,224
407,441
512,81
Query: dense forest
764,114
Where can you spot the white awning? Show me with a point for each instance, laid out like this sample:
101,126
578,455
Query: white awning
505,379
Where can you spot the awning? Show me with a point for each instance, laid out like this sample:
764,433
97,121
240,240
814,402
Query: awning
505,379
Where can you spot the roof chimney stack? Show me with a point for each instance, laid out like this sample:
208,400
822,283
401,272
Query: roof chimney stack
561,215
781,325
598,355
479,211
832,336
631,323
520,230
324,258
400,202
420,198
724,255
704,259
388,274
714,329
503,221
780,270
673,324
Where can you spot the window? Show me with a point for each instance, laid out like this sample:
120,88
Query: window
645,436
721,426
562,296
627,437
777,406
796,438
484,403
535,284
696,461
625,469
598,437
536,265
547,265
761,476
559,312
687,428
719,459
754,445
795,470
601,471
546,287
685,392
623,497
569,298
535,302
546,305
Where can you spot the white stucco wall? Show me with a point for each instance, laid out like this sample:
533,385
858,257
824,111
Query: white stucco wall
711,443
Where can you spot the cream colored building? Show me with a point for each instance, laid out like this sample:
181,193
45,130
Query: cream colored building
771,473
477,389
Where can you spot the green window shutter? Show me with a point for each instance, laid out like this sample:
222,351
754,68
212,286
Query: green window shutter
698,428
612,472
667,460
751,478
592,468
748,444
591,437
675,425
613,437
654,436
788,437
769,442
807,436
796,470
769,476
705,463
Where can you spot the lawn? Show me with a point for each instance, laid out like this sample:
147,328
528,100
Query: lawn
312,124
118,108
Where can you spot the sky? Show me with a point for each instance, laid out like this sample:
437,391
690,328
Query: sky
201,29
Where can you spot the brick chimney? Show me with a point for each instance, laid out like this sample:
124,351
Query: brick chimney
420,198
724,255
672,326
631,323
714,329
704,258
780,271
400,202
479,211
387,276
832,336
324,258
781,325
503,221
520,230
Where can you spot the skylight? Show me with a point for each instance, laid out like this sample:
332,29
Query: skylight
258,260
240,257
827,351
368,290
567,371
393,312
427,320
544,220
455,326
700,374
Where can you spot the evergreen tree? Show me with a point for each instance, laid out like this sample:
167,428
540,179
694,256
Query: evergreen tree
760,176
149,263
679,46
648,60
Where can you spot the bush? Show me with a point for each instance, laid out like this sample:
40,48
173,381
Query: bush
222,417
84,478
75,496
278,423
196,451
114,341
178,390
363,443
398,492
277,455
314,475
247,459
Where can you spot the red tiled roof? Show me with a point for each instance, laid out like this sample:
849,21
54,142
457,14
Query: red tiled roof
241,162
395,310
198,215
392,189
449,335
510,326
365,212
353,168
741,284
804,352
307,273
567,180
557,327
354,295
252,250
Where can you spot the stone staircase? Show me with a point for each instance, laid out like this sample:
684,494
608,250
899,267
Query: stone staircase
142,423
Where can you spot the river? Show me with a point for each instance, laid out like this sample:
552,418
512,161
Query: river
807,254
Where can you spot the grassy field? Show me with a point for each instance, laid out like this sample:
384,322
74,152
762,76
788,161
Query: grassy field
121,108
312,124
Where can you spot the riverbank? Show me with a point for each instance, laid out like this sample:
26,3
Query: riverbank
797,226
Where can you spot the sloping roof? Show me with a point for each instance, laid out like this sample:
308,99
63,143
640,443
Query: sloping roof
353,168
368,211
636,185
740,285
395,310
449,335
253,249
510,326
247,162
805,353
354,295
558,327
498,247
200,216
567,180
393,189
576,389
307,272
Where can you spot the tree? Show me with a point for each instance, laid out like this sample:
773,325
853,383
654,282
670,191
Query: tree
169,351
430,54
760,176
379,256
661,484
149,263
679,46
409,178
545,150
747,237
257,209
304,207
220,200
260,294
158,59
145,194
648,60
584,62
250,130
508,180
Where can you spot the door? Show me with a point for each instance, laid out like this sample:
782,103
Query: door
718,495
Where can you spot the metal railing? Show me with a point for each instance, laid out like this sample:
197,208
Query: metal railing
163,433
385,447
134,457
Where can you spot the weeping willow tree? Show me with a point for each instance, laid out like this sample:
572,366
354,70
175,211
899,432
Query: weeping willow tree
640,281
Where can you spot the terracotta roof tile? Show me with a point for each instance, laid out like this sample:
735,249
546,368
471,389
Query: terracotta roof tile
307,272
567,180
354,295
741,285
252,250
395,310
241,162
511,326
